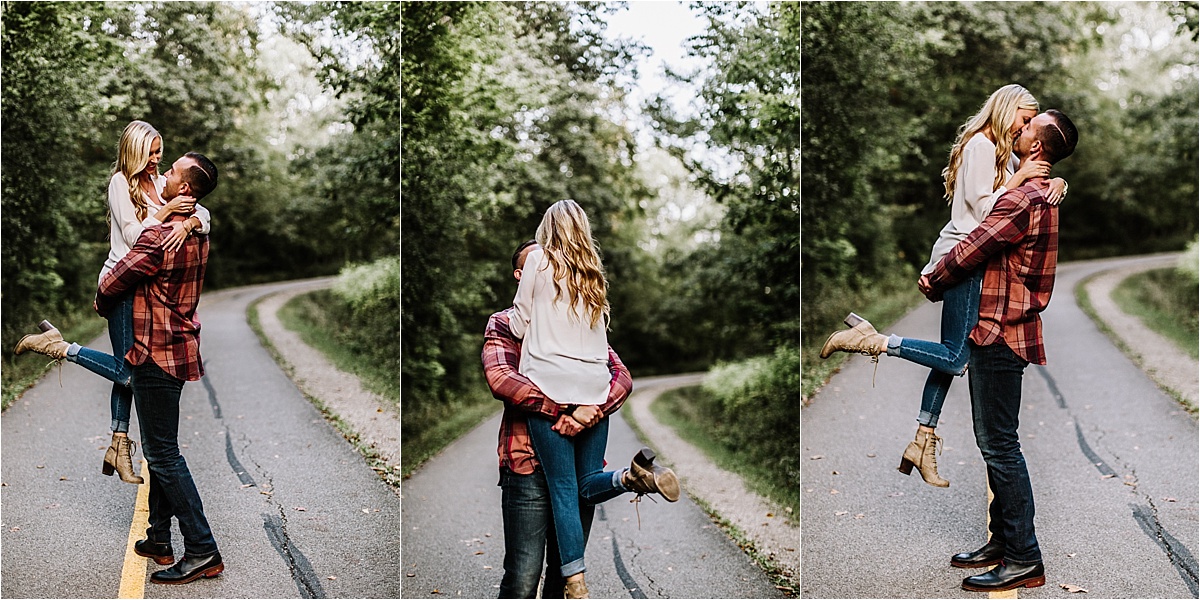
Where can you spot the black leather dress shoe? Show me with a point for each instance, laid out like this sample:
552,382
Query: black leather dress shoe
1007,576
190,569
160,552
990,554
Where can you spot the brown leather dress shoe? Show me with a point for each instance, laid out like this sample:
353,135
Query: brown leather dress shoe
1007,576
990,554
189,569
161,553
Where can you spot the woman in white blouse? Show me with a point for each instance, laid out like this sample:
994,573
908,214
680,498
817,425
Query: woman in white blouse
982,167
134,203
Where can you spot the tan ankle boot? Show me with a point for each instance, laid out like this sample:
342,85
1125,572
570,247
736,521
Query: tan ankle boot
861,338
119,457
922,454
49,342
645,477
576,589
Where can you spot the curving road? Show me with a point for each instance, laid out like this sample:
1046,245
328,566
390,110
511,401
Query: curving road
454,536
296,511
1113,462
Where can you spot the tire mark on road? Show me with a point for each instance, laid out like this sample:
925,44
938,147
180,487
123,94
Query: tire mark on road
1181,558
306,580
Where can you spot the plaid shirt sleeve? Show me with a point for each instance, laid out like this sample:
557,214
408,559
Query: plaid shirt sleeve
501,359
142,261
1005,226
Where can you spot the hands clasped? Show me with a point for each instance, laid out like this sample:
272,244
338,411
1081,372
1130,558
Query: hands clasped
583,417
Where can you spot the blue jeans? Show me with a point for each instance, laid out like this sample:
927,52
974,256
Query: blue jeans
960,313
574,468
113,366
529,536
995,381
173,493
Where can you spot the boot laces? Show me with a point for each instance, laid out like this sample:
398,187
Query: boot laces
637,501
57,363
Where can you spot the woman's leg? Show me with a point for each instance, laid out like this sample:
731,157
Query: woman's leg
110,366
595,484
556,453
960,313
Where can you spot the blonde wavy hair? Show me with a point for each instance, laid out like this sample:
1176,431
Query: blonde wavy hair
565,235
996,116
133,154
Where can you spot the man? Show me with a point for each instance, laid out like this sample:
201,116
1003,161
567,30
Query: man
165,354
1017,244
529,533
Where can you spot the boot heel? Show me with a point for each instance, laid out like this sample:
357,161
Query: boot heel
852,320
217,570
1036,582
107,469
45,326
645,457
906,466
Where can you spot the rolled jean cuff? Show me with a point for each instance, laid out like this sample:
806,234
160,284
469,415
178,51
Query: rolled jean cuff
893,347
617,478
73,351
573,567
927,419
120,426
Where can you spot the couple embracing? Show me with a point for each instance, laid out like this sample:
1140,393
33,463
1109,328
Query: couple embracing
548,359
148,291
993,265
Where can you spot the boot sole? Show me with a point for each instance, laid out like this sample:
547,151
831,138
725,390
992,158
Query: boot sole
209,572
162,559
1027,583
974,565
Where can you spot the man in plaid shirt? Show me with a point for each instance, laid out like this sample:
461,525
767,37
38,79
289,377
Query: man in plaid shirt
528,519
166,353
1017,245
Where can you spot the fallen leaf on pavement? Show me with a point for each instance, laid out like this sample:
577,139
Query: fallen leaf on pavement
300,508
1071,555
1074,589
896,494
859,516
816,457
1109,476
769,515
1169,499
833,472
332,577
411,574
841,512
477,553
834,492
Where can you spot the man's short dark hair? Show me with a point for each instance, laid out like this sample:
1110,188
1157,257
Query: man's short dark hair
1058,139
520,249
202,176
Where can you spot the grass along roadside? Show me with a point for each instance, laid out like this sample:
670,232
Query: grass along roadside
1166,303
21,372
882,304
1085,304
377,464
692,413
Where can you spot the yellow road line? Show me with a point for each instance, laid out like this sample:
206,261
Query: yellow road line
133,573
1010,593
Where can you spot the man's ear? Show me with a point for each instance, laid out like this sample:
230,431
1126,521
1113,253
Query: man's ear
517,274
1035,149
185,189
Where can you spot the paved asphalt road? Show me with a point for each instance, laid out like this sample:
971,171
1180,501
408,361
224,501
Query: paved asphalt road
1113,462
454,536
247,431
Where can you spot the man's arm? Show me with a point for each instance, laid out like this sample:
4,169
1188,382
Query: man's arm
621,385
142,261
501,359
1006,225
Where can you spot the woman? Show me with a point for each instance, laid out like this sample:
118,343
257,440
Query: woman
981,169
134,203
560,312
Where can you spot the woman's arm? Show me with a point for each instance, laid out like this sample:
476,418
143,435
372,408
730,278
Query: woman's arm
201,220
123,212
979,175
523,302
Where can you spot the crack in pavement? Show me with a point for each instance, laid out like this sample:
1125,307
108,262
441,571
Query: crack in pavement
302,573
631,584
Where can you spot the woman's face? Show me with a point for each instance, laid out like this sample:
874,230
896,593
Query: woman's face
155,156
1023,117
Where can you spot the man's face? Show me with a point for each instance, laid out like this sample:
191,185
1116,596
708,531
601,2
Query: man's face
175,178
1024,145
521,260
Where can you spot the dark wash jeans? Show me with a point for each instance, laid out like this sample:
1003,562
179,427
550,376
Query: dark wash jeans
113,367
172,491
529,536
995,381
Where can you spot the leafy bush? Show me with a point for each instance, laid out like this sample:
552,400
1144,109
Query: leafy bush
1189,263
759,412
369,310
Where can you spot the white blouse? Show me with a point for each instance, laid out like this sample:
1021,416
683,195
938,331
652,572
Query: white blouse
973,195
125,227
561,353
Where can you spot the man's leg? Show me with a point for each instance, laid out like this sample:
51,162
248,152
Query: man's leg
525,505
555,583
172,489
995,379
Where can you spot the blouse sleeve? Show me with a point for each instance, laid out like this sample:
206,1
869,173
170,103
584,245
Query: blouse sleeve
980,175
204,218
523,302
123,211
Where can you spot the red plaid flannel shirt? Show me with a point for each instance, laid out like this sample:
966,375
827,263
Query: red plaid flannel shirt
1019,243
522,399
166,290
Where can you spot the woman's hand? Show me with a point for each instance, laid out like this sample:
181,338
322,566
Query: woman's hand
1057,191
588,415
179,234
567,426
1029,170
182,205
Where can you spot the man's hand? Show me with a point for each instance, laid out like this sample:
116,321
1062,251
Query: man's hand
588,415
567,426
927,289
